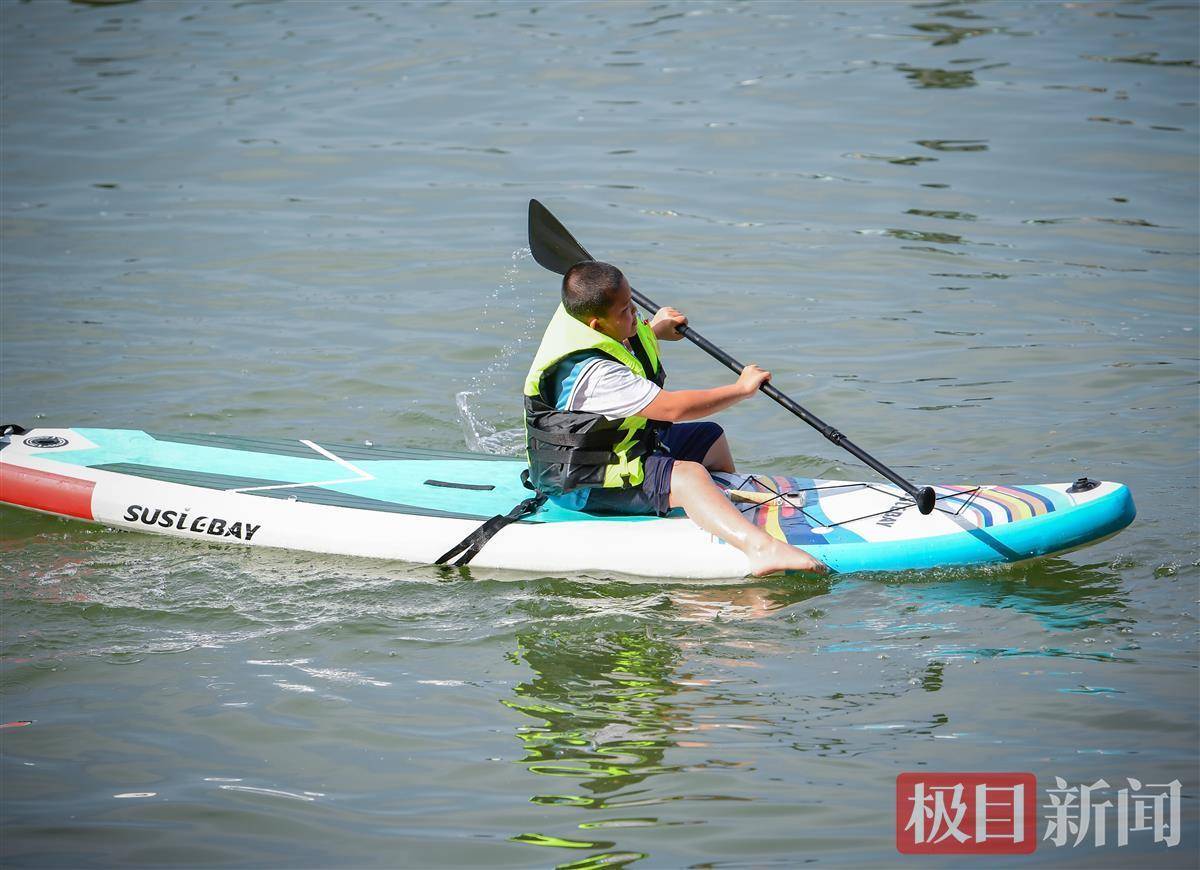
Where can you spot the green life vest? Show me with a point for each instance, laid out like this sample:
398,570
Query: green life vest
568,450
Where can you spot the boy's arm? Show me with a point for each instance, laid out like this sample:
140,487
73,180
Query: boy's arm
677,406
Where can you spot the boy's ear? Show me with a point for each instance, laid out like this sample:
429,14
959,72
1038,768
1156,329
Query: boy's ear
594,323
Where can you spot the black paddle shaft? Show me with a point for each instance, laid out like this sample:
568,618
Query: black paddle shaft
557,250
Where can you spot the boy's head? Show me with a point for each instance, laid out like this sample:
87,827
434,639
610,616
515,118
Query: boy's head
597,295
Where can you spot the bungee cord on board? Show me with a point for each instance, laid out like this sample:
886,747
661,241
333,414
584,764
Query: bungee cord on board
785,498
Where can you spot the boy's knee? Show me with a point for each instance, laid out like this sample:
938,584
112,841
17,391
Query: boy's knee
686,471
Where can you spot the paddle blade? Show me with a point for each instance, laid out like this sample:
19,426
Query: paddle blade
553,247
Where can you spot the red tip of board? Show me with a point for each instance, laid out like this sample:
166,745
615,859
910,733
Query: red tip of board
43,491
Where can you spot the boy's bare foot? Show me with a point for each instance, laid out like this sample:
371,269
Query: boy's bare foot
693,490
772,556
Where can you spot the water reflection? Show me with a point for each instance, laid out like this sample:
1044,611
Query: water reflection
919,236
942,214
601,718
751,602
948,34
1061,595
931,77
953,144
605,710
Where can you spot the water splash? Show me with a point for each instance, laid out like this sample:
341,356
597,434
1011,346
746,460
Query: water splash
489,410
481,434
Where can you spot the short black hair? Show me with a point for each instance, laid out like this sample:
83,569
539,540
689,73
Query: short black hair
590,288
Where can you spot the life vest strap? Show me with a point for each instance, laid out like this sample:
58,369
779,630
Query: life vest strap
575,457
593,457
603,438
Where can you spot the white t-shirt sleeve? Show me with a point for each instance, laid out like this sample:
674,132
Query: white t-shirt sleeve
606,387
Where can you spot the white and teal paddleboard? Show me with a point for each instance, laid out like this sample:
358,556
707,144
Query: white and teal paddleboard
414,505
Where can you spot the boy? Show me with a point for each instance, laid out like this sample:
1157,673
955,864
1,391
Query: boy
604,437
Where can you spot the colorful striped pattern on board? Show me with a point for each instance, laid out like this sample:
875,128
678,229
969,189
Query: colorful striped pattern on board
990,505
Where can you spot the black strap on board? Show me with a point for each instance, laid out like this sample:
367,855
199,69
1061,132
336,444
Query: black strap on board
468,548
452,485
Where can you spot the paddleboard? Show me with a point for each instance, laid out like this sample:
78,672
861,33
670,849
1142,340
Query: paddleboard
413,505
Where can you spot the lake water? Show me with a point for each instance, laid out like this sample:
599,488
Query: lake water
963,233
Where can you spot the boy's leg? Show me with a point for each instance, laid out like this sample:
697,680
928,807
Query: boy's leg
693,490
702,442
719,457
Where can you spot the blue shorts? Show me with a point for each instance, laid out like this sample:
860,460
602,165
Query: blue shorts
687,442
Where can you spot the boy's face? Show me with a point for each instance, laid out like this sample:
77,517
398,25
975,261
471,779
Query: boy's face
620,321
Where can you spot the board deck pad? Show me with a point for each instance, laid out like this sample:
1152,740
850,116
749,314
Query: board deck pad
405,502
